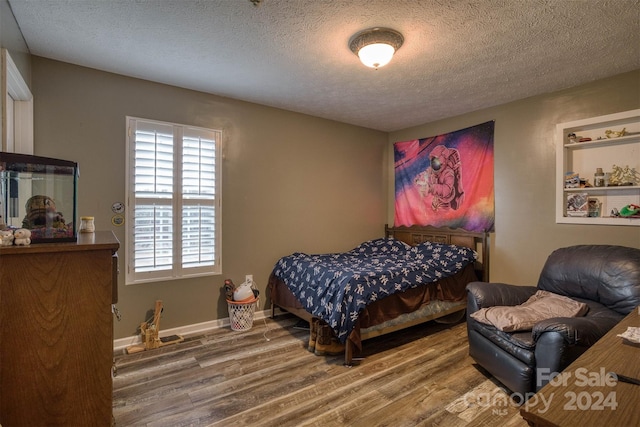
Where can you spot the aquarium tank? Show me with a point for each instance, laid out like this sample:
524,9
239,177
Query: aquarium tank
40,194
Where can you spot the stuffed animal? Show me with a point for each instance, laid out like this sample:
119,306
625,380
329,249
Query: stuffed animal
6,237
22,237
229,287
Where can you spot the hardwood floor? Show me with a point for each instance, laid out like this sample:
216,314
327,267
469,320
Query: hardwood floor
422,376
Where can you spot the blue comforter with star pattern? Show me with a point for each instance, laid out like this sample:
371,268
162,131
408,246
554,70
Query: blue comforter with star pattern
336,287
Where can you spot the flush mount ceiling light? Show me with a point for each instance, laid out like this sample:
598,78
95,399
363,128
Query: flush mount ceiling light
375,46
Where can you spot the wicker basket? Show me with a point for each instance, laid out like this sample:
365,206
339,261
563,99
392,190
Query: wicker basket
241,314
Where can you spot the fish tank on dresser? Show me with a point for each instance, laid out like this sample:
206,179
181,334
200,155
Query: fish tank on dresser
39,194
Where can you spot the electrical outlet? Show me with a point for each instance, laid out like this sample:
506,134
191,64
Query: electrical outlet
248,278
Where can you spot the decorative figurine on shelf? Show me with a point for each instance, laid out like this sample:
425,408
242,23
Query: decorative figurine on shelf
598,178
6,237
630,211
22,237
593,207
615,134
571,180
572,138
624,176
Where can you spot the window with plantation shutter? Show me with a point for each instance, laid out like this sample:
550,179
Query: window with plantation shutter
173,206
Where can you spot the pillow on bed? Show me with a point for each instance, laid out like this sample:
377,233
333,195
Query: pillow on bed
427,250
381,246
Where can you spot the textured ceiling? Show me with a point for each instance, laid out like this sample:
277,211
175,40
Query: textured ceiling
458,56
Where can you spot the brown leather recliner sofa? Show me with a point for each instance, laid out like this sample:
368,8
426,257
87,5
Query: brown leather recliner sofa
605,277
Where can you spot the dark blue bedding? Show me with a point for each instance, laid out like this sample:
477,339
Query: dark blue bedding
336,287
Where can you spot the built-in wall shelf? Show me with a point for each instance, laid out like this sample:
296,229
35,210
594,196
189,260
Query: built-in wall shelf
601,151
604,142
594,190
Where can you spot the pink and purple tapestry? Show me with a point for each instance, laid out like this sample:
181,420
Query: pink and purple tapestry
446,180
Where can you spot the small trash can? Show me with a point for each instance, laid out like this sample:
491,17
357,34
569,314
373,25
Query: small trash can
241,314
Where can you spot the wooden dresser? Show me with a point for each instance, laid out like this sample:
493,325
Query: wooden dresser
56,332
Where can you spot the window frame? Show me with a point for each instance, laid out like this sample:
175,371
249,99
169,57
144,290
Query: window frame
176,271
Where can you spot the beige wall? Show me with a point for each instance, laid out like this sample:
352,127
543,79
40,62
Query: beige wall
524,145
291,182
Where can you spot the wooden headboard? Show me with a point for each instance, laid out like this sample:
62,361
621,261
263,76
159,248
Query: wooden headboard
415,235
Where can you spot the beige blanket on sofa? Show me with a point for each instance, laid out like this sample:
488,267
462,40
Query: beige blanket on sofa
540,306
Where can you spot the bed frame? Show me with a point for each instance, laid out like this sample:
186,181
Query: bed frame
478,241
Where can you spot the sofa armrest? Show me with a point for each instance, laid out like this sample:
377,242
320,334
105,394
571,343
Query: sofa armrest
482,294
584,331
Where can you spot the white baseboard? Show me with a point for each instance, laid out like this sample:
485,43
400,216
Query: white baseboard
197,328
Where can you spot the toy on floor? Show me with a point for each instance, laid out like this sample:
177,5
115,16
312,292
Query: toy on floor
149,332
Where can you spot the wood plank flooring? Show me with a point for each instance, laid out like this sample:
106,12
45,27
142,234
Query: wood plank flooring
422,376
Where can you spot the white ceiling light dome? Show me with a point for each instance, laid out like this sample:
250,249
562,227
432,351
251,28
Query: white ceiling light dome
376,46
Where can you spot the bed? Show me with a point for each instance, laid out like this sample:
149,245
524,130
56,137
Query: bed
444,298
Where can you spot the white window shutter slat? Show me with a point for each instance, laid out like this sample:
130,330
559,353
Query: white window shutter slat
173,168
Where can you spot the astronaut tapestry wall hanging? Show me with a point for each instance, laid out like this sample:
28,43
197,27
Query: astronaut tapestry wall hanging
446,180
